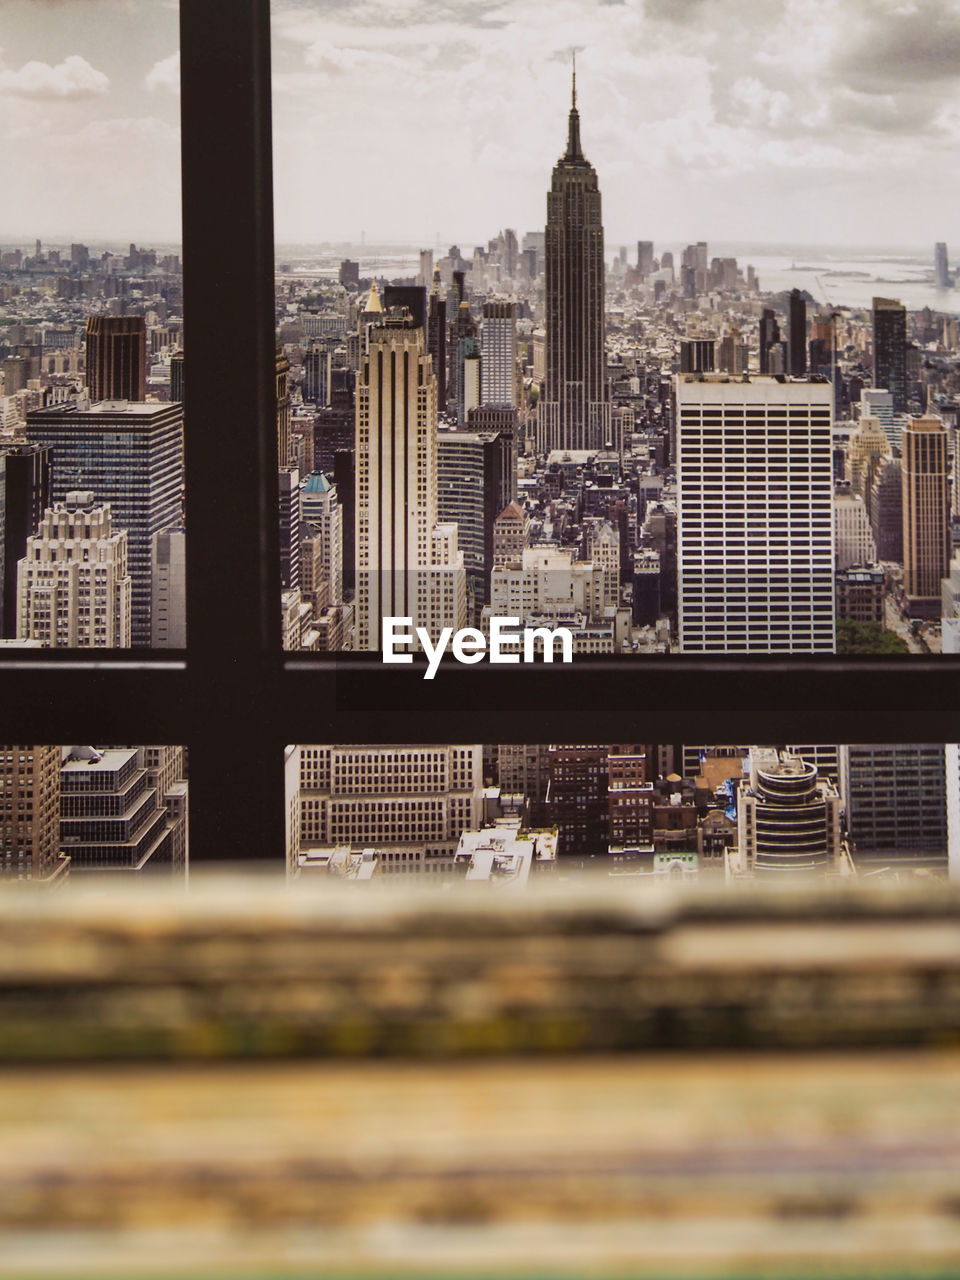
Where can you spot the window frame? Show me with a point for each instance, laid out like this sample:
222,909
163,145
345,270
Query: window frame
233,697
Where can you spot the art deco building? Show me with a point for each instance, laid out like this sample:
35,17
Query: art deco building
74,584
867,448
575,409
408,564
926,513
755,527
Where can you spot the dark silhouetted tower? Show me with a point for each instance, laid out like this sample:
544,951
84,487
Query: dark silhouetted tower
798,334
890,350
116,358
575,410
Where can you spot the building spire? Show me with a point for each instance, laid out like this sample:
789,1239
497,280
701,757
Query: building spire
574,151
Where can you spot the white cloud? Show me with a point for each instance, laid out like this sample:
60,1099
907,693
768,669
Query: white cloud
74,77
165,75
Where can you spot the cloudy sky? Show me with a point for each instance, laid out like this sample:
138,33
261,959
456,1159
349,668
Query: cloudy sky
767,120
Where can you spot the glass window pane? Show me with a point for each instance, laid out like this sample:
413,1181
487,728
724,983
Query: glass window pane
91,328
517,409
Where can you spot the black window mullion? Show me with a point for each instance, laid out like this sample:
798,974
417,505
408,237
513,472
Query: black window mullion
233,726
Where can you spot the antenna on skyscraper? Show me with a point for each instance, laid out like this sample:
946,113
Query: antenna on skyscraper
574,94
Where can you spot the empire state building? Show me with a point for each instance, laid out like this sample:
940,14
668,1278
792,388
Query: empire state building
575,409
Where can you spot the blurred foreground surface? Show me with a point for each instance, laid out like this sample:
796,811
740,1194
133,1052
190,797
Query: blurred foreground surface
254,1081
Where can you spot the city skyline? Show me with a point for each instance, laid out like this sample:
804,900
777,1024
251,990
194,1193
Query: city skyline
781,143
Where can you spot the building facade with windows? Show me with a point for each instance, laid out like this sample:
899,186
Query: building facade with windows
74,582
130,456
755,525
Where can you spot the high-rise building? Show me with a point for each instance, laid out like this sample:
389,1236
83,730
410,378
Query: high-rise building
24,496
798,334
168,613
116,357
408,564
498,344
576,801
868,446
788,820
645,257
890,350
411,803
629,797
926,513
894,795
523,769
755,527
317,363
176,376
127,455
574,412
854,542
30,815
320,506
111,819
283,407
288,479
425,274
769,339
166,772
437,337
473,487
73,583
941,266
697,355
886,510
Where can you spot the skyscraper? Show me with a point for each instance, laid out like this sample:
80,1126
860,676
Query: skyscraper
798,334
130,455
74,586
575,409
755,528
895,799
473,487
498,341
288,479
168,614
890,350
645,257
116,357
30,814
769,339
408,564
941,266
926,513
25,495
